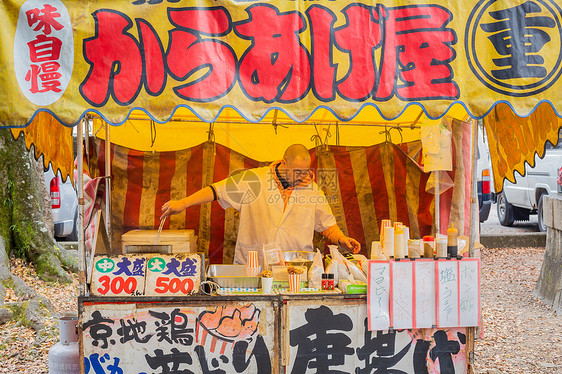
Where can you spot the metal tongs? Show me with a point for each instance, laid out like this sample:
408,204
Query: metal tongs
159,230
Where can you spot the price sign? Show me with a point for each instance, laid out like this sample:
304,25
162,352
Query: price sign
118,275
169,275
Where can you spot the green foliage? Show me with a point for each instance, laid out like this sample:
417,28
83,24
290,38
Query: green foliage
8,201
22,246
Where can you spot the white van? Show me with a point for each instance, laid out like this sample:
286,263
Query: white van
484,176
524,197
64,203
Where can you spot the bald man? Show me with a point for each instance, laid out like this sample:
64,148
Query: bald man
279,203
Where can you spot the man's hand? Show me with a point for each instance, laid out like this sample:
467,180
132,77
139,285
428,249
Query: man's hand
172,207
350,244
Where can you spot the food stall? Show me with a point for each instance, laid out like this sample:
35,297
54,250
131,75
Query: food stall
179,96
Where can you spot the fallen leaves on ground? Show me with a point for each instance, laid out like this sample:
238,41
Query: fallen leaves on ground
21,351
521,333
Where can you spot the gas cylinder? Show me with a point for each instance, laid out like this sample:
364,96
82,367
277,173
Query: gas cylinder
64,357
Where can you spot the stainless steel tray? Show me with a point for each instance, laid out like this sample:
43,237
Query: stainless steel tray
232,276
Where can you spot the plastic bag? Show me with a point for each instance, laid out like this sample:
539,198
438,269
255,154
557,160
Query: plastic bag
355,271
272,256
315,272
342,270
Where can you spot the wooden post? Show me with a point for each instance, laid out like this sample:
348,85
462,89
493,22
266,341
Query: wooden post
80,189
108,185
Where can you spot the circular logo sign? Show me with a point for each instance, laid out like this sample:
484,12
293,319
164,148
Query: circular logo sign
243,187
105,265
156,264
514,47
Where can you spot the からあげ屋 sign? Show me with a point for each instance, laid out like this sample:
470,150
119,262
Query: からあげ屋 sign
291,55
148,275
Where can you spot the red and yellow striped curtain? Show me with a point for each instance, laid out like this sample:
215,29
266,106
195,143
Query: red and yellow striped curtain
373,183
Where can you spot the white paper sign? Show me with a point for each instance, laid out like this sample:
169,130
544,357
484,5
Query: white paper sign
469,291
173,275
447,293
118,275
378,295
424,279
402,295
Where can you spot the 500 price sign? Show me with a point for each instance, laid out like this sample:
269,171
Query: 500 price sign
150,275
173,275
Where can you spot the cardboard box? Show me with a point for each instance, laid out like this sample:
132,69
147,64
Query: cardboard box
182,241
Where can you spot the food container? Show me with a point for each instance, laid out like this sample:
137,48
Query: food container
266,284
280,273
232,276
295,283
298,258
252,266
441,247
428,246
415,248
181,241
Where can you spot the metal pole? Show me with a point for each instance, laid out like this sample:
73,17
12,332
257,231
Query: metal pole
108,184
437,200
80,191
474,222
474,214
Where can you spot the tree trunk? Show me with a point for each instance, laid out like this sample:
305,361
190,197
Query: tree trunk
47,210
22,222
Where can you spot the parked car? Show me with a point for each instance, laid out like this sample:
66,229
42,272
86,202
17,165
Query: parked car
64,203
484,177
524,197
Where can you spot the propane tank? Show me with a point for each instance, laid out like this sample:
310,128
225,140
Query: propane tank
64,357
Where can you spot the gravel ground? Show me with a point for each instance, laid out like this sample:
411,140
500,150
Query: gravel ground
521,334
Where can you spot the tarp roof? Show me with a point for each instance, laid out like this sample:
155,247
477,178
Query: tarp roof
298,60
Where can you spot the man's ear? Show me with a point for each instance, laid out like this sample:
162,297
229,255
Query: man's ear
283,163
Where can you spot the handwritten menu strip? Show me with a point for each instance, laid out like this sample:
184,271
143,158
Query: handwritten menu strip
424,276
447,293
402,295
378,295
469,292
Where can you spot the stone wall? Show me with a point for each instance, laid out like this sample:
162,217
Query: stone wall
549,285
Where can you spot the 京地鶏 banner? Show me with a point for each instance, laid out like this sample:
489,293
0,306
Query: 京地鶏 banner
113,56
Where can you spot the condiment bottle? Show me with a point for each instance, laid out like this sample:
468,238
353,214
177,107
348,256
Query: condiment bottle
331,283
406,234
384,224
324,281
388,244
399,243
452,245
441,247
428,246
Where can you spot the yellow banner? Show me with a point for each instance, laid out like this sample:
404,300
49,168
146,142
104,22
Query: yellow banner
111,56
515,140
51,140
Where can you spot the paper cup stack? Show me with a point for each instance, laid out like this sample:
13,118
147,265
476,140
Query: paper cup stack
252,266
